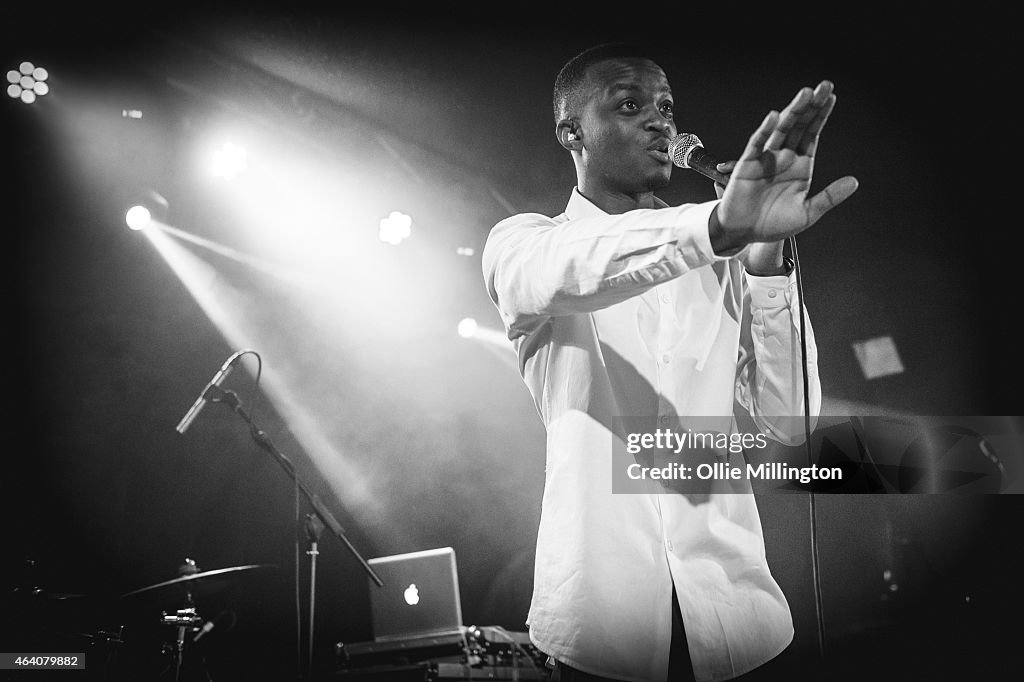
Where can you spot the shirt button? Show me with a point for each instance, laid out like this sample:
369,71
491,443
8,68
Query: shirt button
771,293
664,420
668,545
664,298
666,358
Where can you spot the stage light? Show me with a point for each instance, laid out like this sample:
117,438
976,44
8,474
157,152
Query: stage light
492,340
229,162
467,328
148,206
464,251
395,228
138,217
27,82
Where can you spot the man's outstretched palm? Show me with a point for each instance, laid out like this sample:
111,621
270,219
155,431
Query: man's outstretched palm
766,197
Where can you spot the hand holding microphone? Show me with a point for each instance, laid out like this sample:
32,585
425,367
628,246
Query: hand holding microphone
725,168
687,151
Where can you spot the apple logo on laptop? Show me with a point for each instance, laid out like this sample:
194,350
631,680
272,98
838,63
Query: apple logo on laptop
412,595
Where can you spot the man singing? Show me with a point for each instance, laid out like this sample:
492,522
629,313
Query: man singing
625,306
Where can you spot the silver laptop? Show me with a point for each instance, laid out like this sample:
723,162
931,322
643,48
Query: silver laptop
420,595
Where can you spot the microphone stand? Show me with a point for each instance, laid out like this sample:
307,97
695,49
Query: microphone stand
315,522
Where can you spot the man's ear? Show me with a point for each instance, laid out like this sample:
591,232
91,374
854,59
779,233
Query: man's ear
569,134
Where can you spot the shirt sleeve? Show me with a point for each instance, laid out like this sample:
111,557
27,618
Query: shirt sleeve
769,382
536,267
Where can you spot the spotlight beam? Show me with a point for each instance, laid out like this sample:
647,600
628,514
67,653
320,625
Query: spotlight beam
226,309
265,266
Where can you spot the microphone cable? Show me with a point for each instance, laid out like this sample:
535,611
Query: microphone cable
679,150
815,575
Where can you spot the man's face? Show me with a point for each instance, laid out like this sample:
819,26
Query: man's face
627,123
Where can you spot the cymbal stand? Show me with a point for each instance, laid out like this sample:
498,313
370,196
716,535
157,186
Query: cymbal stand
184,619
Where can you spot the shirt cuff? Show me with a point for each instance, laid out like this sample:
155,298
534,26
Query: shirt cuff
701,214
771,291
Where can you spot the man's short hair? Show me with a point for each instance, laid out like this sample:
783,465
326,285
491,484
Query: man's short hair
569,82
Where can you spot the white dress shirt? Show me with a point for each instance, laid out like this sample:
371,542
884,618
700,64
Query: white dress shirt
634,315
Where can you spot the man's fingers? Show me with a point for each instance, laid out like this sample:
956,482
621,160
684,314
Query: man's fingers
800,115
725,168
809,143
797,140
755,145
822,102
822,92
796,134
830,197
790,118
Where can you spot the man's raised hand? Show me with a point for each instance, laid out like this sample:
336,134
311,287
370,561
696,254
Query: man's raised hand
766,198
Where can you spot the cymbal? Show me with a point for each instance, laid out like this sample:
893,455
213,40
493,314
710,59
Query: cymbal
47,595
202,581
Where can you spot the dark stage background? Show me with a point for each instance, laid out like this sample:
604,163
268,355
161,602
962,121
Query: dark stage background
413,436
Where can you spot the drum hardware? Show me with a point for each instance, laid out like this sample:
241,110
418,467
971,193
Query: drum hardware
185,619
41,617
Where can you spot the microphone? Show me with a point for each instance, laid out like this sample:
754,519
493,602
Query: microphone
209,625
221,618
686,151
201,401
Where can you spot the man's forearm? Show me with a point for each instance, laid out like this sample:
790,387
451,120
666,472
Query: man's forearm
723,242
765,259
761,258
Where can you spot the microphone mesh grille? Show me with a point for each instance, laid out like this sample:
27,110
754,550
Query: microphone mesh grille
680,146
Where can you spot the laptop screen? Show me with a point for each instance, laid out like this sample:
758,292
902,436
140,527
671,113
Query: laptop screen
420,595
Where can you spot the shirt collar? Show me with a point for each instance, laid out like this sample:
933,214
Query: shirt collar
581,207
